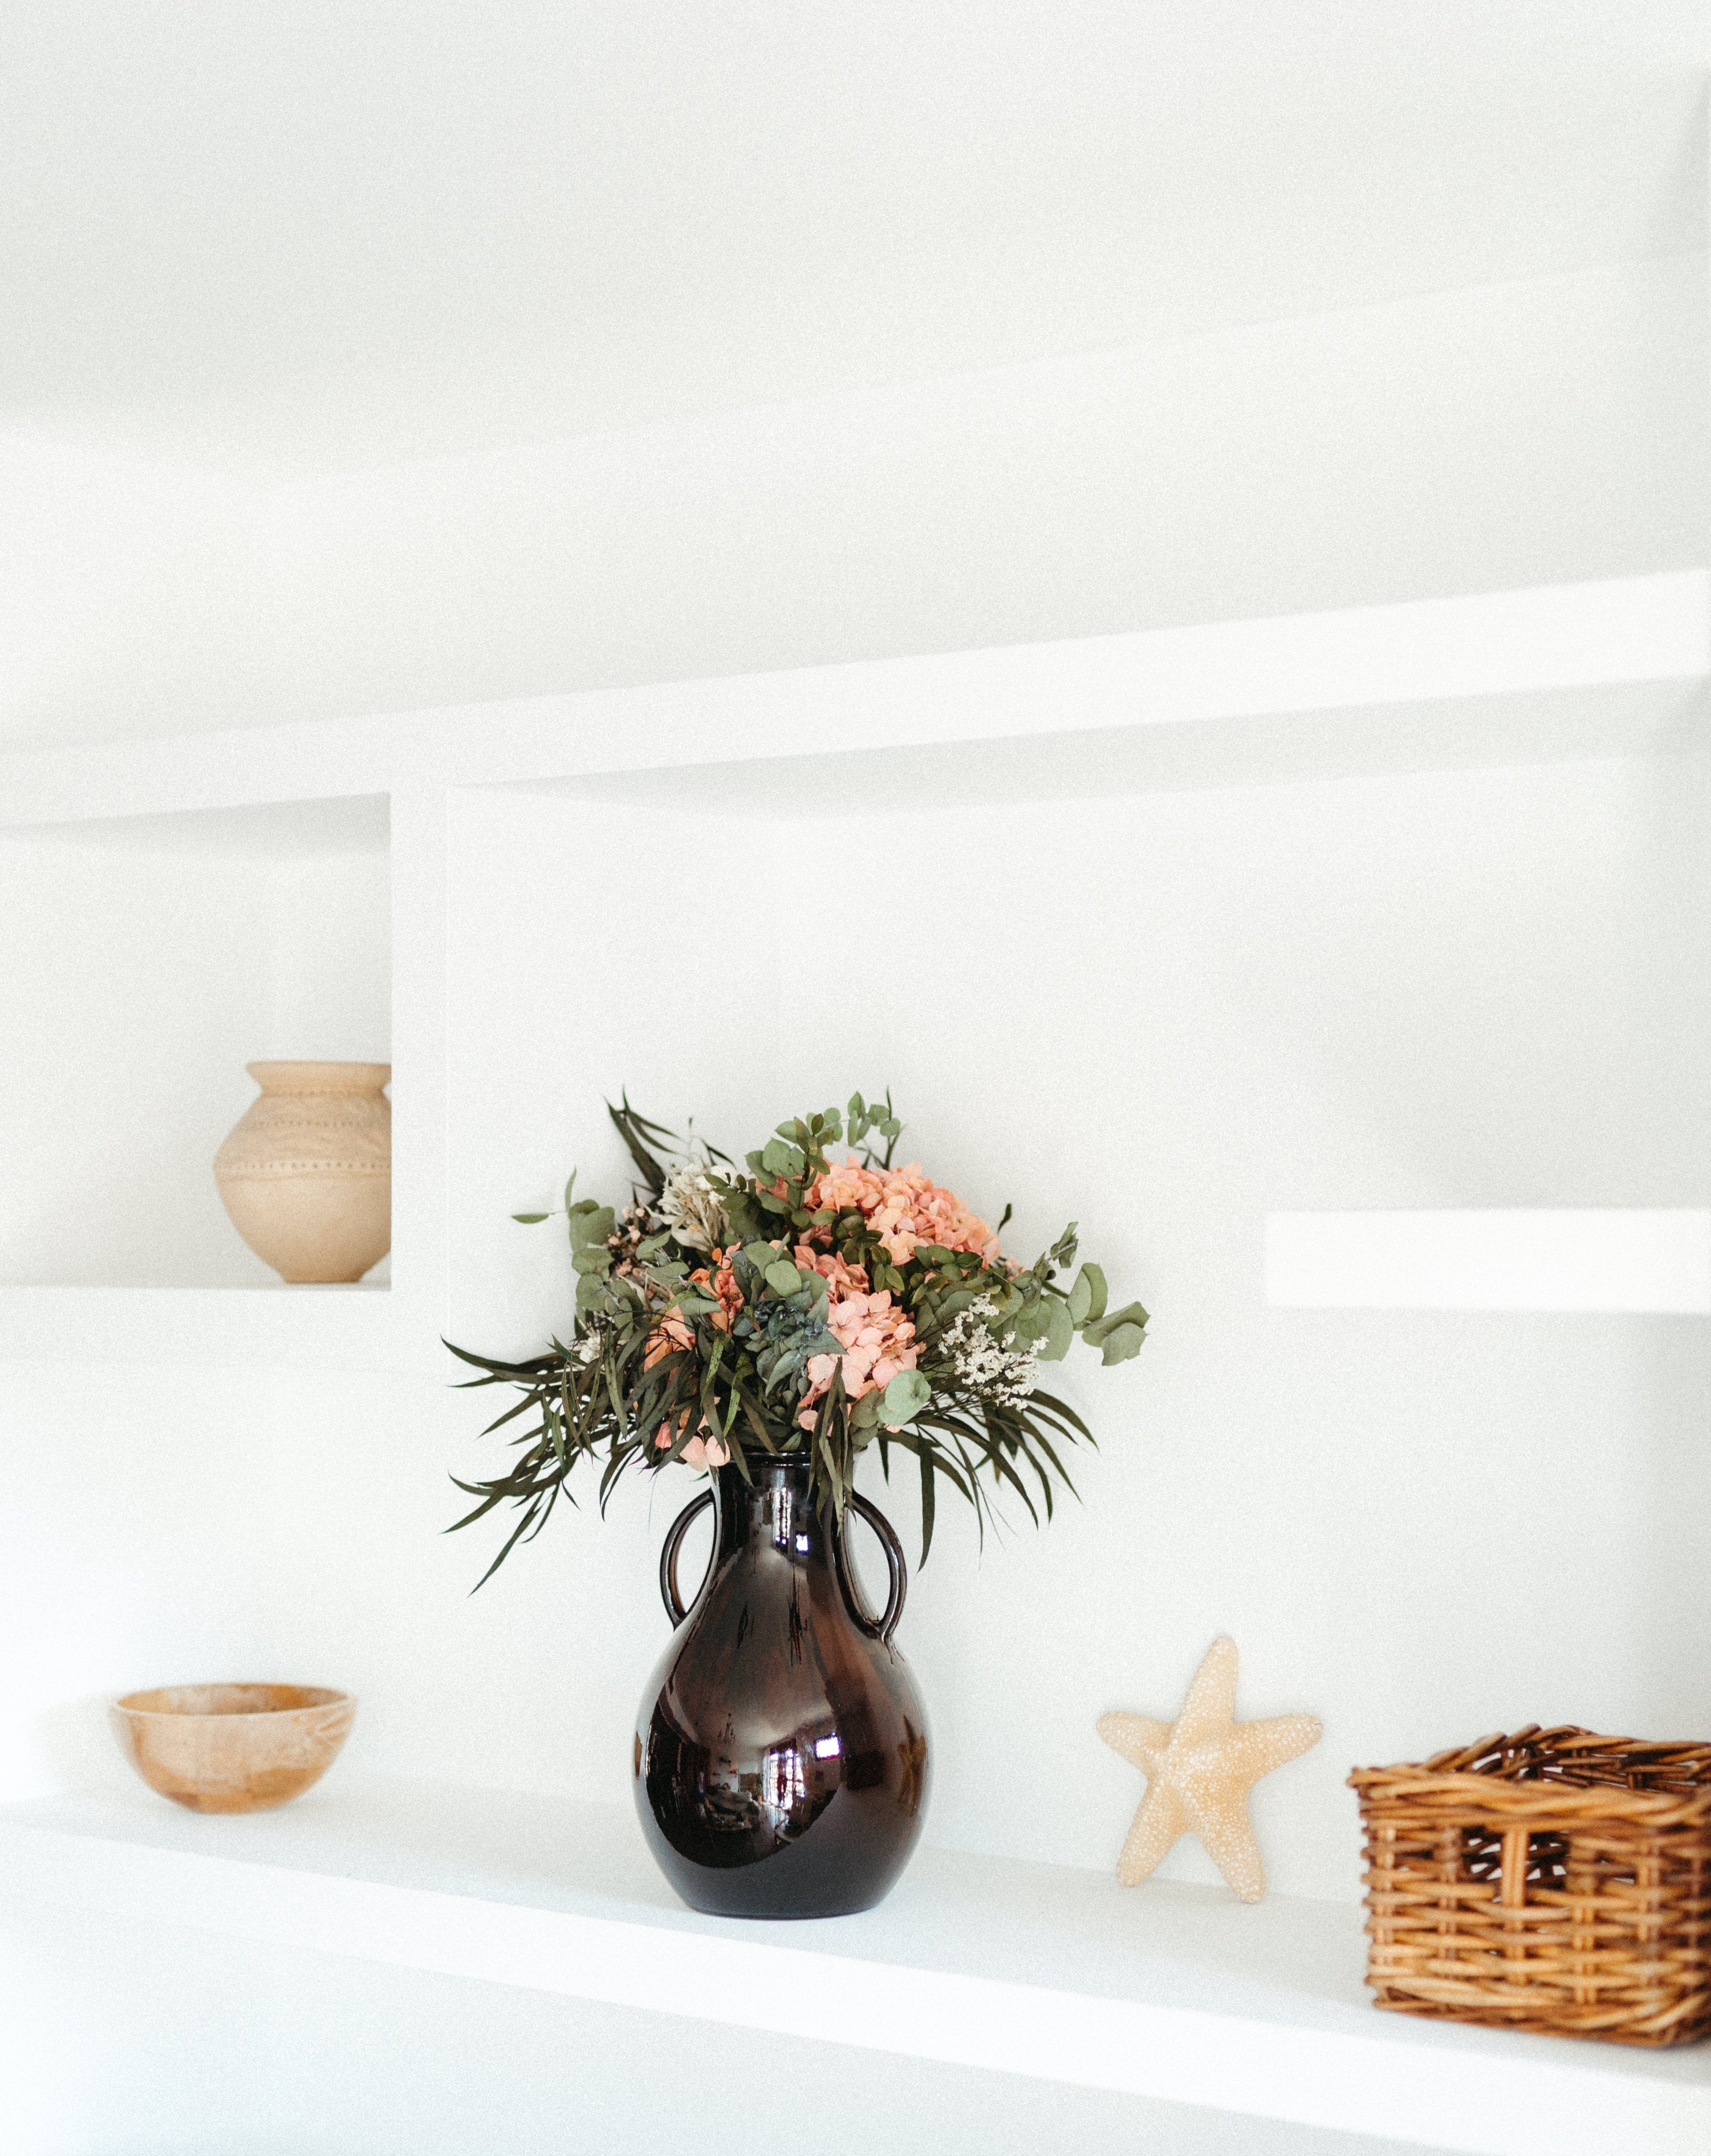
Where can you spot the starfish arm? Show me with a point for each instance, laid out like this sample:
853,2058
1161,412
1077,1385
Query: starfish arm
1157,1825
1256,1747
1142,1742
1221,1820
1210,1705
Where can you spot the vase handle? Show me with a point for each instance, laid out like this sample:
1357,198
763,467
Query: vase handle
881,1627
674,1608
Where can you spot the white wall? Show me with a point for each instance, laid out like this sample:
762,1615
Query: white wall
1495,437
1165,1015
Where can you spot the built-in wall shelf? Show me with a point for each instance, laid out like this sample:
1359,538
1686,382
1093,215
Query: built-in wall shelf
147,958
1614,667
172,910
366,1326
1656,1262
1168,1990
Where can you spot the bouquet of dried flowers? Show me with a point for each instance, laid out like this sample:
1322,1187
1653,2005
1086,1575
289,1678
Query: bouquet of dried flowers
801,1303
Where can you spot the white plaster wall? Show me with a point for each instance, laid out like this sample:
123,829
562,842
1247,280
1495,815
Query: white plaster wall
1494,436
1167,1014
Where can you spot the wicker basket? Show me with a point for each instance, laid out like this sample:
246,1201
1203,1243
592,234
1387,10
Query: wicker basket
1552,1879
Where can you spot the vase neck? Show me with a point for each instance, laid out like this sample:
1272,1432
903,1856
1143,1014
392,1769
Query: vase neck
776,1506
301,1079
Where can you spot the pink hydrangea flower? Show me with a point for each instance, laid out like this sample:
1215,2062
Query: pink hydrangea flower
904,1207
878,1341
844,1278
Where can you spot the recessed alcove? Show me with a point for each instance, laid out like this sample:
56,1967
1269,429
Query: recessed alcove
146,959
1172,1013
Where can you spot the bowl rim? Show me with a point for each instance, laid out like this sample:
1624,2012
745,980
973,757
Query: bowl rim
127,1702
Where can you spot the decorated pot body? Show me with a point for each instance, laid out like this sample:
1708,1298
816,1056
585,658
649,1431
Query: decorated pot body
781,1752
306,1176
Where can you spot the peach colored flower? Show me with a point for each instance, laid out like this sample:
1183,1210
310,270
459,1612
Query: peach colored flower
720,1281
903,1207
671,1333
844,1278
700,1452
878,1340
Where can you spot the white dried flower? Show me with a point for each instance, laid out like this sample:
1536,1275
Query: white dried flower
588,1349
985,1366
690,1207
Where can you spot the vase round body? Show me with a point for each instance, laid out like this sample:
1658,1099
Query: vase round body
306,1175
781,1752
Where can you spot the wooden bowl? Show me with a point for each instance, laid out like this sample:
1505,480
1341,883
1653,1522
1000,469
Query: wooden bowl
233,1747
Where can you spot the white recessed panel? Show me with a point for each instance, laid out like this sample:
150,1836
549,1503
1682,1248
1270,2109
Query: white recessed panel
144,962
1639,1260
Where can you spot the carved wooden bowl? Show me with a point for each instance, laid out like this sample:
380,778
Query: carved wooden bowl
233,1747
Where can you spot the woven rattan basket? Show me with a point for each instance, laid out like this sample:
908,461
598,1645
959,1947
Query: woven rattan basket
1552,1879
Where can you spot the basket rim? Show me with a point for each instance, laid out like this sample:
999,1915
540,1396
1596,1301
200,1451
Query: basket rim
1484,1789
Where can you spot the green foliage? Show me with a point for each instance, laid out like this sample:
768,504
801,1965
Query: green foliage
675,1353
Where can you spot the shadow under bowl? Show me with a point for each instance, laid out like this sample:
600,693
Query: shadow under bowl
233,1747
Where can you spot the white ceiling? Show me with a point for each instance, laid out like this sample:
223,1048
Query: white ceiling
312,313
292,238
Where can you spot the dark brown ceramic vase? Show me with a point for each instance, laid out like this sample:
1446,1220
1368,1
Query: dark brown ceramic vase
781,1761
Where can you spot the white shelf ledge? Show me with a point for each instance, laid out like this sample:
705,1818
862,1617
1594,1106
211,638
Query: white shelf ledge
1614,667
1170,1991
359,1327
1645,1262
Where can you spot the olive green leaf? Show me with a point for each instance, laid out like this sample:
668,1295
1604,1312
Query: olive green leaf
904,1398
1119,1334
1060,1329
1087,1296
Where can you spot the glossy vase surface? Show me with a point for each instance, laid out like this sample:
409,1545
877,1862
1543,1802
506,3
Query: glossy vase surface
781,1752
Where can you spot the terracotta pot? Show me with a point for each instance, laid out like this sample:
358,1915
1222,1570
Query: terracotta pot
306,1176
233,1747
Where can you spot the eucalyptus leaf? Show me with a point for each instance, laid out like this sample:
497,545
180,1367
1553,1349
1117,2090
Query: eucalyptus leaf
904,1398
1096,1332
1060,1330
1121,1343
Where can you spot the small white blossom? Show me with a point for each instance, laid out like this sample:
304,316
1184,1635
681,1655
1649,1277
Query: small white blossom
1005,1375
690,1207
588,1349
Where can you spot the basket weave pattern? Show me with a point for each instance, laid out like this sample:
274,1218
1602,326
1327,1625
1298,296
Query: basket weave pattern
1553,1881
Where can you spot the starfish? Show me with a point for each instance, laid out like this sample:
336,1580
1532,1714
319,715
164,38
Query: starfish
1199,1770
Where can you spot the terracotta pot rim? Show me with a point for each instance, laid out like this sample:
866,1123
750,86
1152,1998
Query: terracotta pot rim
288,1077
328,1697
